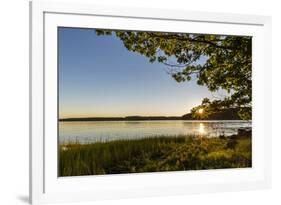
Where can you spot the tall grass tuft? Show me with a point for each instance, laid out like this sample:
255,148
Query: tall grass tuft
164,153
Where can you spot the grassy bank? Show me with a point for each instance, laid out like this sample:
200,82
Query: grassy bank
154,154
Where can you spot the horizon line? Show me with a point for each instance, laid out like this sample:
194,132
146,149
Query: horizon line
128,116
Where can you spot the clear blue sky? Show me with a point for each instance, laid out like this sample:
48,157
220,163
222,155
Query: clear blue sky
99,77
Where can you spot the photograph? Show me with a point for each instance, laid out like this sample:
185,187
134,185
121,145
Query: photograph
152,101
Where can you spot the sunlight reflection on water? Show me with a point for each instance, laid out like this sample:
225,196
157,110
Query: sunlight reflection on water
201,129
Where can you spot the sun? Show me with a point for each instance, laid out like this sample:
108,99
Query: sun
201,110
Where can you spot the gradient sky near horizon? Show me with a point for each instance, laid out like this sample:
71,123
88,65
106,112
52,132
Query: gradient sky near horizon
99,77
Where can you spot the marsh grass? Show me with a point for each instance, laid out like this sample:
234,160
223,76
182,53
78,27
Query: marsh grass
154,154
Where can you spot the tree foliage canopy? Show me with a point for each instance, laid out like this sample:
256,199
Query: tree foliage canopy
215,61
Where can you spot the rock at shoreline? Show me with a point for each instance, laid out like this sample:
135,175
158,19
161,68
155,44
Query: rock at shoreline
241,133
247,132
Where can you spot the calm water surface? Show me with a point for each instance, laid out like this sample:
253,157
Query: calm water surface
86,132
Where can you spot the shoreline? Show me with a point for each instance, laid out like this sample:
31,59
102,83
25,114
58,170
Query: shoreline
143,120
195,136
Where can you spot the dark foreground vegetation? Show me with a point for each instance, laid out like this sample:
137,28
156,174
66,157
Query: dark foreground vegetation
154,154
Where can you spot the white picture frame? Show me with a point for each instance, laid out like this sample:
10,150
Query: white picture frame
46,187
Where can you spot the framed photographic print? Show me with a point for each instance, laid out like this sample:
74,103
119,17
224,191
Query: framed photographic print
129,102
